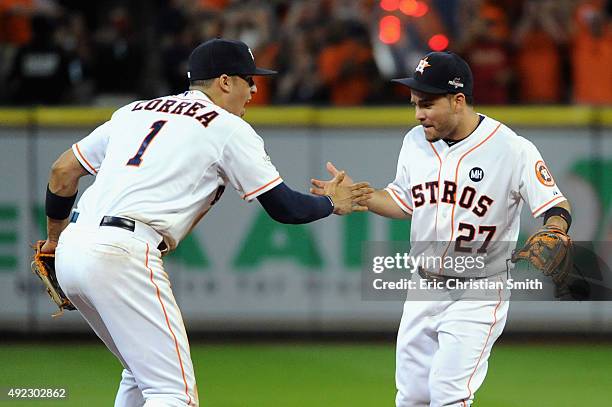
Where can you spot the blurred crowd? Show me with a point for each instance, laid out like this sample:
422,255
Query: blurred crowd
327,52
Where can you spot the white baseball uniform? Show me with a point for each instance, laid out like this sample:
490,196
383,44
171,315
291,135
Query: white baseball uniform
161,163
469,194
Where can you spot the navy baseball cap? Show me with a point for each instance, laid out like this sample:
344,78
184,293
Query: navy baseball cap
219,56
441,73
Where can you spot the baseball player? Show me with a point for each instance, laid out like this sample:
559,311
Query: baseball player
463,178
160,165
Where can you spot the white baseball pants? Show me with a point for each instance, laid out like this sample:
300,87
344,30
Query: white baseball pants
117,281
443,349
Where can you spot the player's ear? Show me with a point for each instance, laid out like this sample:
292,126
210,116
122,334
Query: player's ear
225,83
460,101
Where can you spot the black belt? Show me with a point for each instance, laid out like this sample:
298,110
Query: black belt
114,221
117,222
431,276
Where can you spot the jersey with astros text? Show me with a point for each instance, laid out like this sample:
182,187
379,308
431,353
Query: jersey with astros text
166,161
467,198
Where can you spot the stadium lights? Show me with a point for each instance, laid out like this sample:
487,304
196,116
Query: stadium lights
389,29
413,8
390,26
421,10
438,42
389,5
408,7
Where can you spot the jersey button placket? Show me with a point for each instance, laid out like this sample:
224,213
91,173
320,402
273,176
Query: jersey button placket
443,227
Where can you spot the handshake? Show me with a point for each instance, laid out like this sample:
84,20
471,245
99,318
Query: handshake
347,196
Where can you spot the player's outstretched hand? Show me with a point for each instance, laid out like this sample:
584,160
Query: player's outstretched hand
318,185
346,198
359,203
333,171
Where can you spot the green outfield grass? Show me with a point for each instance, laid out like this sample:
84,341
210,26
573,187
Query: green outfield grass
307,375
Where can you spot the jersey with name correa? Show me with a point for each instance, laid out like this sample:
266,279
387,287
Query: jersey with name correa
166,161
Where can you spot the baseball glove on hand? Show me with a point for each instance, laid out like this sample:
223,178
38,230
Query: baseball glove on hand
549,250
43,265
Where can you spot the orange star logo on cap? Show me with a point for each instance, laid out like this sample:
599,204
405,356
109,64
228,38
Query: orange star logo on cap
422,65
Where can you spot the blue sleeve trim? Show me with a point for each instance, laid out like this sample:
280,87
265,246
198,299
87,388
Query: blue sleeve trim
285,205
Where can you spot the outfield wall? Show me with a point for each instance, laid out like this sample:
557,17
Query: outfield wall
240,270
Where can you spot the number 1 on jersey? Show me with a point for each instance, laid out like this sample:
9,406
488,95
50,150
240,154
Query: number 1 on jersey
155,128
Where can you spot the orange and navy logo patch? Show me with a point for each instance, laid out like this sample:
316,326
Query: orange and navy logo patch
544,176
422,65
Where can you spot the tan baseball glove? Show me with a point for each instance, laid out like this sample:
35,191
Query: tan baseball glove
548,250
43,265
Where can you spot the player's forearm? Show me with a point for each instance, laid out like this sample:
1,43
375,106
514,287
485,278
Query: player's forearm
382,204
55,228
558,221
61,189
285,205
61,193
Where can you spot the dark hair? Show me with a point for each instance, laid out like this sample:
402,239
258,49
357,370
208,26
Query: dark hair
204,83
